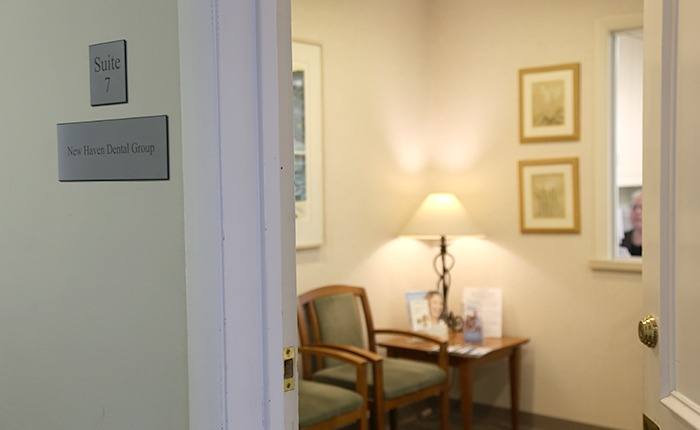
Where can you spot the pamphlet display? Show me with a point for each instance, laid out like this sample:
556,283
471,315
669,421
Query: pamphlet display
483,313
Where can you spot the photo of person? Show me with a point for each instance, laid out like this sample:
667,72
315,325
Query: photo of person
632,240
435,307
425,310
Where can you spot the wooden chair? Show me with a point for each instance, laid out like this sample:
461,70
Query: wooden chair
328,407
330,316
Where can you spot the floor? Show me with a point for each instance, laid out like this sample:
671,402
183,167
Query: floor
482,421
422,417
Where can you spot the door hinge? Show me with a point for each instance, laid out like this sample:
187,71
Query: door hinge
288,363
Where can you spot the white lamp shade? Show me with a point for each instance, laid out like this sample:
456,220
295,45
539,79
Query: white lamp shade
440,214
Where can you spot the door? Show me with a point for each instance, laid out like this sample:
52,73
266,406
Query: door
235,79
672,212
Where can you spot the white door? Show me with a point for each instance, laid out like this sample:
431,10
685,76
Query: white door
672,211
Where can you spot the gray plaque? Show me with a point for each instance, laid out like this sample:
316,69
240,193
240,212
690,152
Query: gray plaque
114,150
108,84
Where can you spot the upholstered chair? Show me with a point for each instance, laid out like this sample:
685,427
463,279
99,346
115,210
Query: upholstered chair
339,317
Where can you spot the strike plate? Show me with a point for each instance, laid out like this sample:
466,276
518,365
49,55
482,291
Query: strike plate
288,354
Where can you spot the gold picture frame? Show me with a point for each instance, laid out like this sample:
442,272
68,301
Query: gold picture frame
550,103
549,196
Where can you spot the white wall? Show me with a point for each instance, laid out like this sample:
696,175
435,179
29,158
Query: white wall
92,289
374,68
422,96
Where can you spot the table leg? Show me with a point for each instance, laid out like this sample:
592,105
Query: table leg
514,367
465,387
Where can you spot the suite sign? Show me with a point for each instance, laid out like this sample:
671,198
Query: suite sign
114,150
108,82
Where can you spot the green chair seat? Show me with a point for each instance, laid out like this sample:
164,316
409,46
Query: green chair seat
319,402
400,376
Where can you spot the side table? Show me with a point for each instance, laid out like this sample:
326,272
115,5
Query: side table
501,348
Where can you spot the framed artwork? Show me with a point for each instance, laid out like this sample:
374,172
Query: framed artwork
549,104
308,156
424,311
549,196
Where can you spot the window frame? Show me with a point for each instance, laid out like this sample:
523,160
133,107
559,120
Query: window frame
603,257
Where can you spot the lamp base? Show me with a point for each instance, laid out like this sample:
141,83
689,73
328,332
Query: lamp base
454,322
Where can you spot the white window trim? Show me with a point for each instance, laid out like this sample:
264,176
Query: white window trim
602,258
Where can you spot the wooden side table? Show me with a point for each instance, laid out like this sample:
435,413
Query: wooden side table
501,348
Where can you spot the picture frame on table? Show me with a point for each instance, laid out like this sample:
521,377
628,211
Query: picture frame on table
425,309
550,103
307,124
549,196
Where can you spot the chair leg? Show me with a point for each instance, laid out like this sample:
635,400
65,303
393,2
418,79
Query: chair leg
445,410
362,424
378,418
394,419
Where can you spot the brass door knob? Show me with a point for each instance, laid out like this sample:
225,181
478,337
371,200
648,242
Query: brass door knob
648,331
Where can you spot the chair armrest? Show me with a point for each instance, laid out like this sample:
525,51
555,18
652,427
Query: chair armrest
339,354
366,354
355,360
422,336
443,358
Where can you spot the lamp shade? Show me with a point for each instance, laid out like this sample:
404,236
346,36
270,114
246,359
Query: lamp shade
440,214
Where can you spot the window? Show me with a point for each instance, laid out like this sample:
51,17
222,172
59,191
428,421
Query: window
627,126
617,141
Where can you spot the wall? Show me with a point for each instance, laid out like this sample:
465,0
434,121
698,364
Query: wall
422,96
374,96
584,362
92,289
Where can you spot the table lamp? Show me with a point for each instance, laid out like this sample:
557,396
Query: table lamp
440,217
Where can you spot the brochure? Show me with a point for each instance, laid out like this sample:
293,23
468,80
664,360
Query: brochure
485,308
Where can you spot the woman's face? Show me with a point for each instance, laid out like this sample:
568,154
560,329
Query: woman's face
435,302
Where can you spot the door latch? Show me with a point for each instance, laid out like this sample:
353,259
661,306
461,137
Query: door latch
288,354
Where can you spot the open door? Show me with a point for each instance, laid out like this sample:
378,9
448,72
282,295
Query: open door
671,214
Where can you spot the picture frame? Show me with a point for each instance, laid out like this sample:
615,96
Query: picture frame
425,309
549,196
307,140
550,103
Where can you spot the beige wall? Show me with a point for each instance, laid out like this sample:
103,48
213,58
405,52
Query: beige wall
92,287
422,96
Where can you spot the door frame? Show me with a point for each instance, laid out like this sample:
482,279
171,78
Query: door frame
235,77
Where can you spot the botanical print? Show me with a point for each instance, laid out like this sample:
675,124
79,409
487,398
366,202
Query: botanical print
548,195
298,124
548,103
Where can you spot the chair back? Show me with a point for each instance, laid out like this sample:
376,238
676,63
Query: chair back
335,314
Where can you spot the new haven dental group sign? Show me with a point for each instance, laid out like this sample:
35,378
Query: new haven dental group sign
114,150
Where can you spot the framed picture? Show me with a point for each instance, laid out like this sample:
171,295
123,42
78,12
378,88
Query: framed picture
424,311
549,104
308,156
549,196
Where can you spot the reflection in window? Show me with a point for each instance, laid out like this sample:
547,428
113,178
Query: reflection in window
627,142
